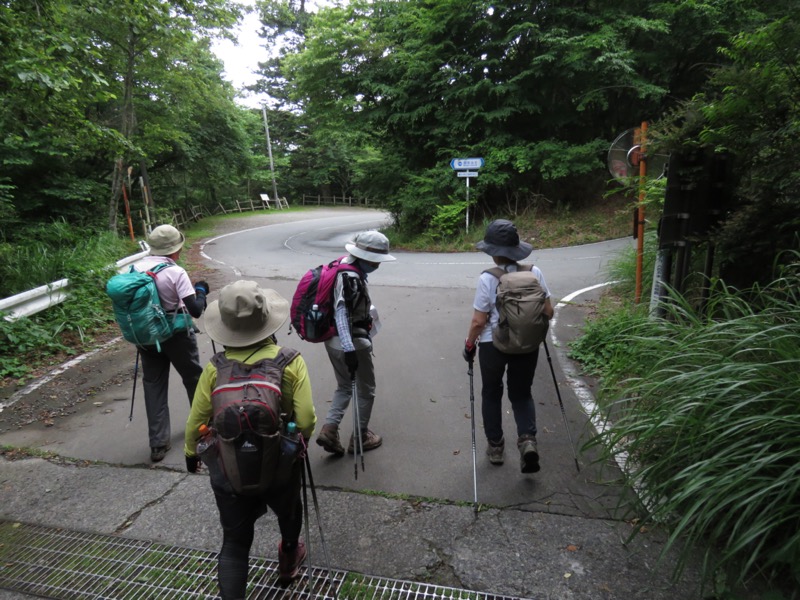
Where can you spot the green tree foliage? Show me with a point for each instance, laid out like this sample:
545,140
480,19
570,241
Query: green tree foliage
538,90
750,111
90,86
756,116
49,76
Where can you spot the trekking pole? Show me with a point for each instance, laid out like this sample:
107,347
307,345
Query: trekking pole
561,404
319,522
474,460
135,376
358,447
309,568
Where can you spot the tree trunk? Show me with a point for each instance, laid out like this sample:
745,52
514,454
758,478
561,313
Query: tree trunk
127,125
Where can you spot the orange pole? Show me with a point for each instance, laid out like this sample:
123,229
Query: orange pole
640,215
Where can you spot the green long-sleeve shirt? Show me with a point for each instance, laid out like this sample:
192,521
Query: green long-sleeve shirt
295,390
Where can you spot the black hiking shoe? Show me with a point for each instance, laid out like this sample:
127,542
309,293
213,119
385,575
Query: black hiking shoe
528,454
328,438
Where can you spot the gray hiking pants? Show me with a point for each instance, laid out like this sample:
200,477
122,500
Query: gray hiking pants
181,352
365,386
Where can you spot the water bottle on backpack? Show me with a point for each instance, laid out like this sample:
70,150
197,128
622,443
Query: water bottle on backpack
208,452
314,324
291,449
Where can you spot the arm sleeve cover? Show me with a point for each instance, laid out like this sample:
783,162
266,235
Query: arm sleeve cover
343,328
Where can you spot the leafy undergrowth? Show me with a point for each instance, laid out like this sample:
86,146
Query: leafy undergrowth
545,227
704,409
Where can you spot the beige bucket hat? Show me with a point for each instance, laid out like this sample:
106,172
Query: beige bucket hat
371,246
165,240
245,314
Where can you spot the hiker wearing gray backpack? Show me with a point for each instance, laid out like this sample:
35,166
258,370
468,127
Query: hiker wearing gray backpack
509,321
350,350
181,300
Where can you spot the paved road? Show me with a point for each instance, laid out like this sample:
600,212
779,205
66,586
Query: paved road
423,401
553,534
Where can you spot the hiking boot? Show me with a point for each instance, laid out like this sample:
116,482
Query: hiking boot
495,452
289,562
328,438
369,441
158,453
528,454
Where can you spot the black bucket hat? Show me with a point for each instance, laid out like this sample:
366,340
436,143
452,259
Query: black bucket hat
502,239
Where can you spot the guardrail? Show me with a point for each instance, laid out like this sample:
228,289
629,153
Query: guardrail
45,296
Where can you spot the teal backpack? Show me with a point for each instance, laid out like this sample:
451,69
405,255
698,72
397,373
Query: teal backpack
137,307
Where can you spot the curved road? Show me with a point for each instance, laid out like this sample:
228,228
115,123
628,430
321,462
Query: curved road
423,404
422,408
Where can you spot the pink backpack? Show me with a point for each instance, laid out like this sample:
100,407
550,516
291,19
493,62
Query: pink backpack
312,313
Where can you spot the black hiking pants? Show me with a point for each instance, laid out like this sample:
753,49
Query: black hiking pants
519,370
238,516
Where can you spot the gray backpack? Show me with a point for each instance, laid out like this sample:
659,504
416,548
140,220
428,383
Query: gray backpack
246,404
520,302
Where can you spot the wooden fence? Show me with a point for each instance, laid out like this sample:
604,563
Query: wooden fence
319,200
183,217
195,213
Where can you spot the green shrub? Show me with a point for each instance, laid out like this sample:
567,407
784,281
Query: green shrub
708,418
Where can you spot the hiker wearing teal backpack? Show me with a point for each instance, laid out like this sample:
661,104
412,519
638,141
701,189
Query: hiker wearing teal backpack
509,321
181,300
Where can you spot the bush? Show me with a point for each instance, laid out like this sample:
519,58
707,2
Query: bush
708,421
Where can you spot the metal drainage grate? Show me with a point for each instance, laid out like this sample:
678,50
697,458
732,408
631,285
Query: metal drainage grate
63,564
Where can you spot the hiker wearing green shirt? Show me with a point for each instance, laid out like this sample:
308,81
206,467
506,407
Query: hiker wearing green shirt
243,320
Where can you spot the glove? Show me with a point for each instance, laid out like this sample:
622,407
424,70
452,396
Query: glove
351,360
192,464
201,289
469,351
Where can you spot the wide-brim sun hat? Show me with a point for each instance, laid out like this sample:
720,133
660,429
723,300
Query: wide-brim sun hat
502,239
371,246
164,240
245,314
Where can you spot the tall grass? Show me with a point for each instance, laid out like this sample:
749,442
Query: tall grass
708,416
53,253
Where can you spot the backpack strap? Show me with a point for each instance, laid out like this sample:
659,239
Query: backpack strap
160,267
281,360
345,266
285,356
500,271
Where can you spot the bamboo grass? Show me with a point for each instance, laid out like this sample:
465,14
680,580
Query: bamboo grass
709,426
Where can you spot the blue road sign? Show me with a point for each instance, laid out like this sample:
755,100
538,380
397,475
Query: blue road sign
466,163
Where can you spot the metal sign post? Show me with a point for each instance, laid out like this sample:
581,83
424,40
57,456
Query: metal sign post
462,168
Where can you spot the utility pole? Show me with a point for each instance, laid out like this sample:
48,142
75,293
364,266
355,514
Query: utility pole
271,165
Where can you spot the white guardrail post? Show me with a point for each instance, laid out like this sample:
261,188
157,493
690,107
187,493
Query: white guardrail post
45,296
